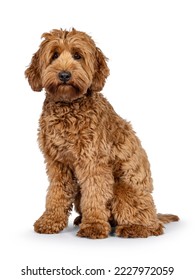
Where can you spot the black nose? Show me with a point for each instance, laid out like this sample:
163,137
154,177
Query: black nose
64,76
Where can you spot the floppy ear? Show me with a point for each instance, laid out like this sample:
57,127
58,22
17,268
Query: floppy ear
33,74
101,71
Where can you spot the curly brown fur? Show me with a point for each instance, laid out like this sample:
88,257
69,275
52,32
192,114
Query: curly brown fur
93,157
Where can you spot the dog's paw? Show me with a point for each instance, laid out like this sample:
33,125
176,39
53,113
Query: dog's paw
50,223
137,231
94,230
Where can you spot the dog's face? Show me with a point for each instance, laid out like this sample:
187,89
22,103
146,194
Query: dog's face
67,65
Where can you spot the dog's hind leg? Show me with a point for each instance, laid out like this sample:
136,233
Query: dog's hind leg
134,212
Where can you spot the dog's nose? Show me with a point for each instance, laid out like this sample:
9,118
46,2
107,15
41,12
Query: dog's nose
64,76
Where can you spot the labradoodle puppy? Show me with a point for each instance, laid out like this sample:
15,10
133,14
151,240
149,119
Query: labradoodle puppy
94,159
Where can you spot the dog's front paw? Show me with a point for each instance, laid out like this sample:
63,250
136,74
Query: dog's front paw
94,230
50,222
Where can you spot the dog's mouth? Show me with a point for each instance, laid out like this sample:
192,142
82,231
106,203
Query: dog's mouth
63,92
64,87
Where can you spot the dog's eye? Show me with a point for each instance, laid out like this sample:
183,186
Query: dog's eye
55,55
77,56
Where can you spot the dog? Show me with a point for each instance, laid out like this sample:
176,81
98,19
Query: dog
94,159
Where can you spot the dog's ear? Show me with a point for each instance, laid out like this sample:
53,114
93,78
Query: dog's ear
101,71
33,73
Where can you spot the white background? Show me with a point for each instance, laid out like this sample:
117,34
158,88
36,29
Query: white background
151,50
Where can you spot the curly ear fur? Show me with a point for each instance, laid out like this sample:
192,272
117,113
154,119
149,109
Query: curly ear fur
33,74
101,71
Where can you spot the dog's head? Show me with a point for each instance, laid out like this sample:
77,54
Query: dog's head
68,65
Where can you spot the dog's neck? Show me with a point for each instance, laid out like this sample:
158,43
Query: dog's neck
63,108
69,103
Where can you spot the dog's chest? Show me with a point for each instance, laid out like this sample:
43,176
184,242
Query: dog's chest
63,138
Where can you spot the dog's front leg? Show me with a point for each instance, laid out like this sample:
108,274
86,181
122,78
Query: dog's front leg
58,201
96,185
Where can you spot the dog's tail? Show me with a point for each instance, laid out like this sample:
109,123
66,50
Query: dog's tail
167,218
